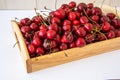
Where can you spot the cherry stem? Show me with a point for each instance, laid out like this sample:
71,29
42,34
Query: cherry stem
47,8
15,44
88,16
66,54
102,3
55,4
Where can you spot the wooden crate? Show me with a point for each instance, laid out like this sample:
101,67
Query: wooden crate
34,64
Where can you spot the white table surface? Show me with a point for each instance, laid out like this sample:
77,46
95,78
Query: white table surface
101,67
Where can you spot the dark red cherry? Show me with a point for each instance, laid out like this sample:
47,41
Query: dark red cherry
72,4
72,45
55,20
34,26
25,22
81,7
90,5
53,44
80,42
76,22
66,28
60,13
72,16
57,38
54,26
31,49
51,34
116,23
36,42
66,22
96,11
89,38
88,27
106,26
25,29
42,33
81,32
63,46
111,15
110,34
83,19
40,51
95,18
117,33
43,27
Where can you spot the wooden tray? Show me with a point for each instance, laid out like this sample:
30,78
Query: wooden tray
34,64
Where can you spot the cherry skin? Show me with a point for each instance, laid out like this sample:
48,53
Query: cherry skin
76,22
66,22
72,45
117,33
42,33
54,26
43,27
72,16
66,28
51,34
37,19
95,18
116,23
106,26
36,42
90,5
81,32
80,42
55,20
111,15
40,51
60,13
81,7
57,38
89,38
25,22
63,6
83,19
88,27
31,49
72,4
34,26
63,46
25,29
53,44
110,34
96,11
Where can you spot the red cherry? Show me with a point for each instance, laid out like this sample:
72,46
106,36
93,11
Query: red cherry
36,42
72,16
66,28
89,38
96,11
63,6
55,20
43,27
42,33
60,13
66,22
25,22
63,46
57,38
111,15
72,4
100,37
77,14
37,19
90,5
72,45
95,18
40,51
80,42
88,27
34,26
25,29
81,32
116,23
117,33
83,20
110,34
53,44
31,49
76,22
106,26
51,34
54,26
104,18
75,28
81,7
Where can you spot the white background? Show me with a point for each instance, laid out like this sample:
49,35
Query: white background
101,67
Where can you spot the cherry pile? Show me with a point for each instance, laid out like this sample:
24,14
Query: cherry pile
67,27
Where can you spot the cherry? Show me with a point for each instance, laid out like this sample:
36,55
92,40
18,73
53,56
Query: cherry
90,5
34,26
72,45
116,23
66,22
81,32
63,6
89,11
76,22
53,44
25,29
43,27
54,26
72,4
95,18
55,20
111,15
88,27
68,38
63,46
75,27
81,7
60,13
96,11
72,16
77,14
89,38
31,48
66,28
83,19
106,26
36,42
117,33
46,44
57,38
42,33
40,51
110,34
100,37
37,19
25,22
104,18
51,34
80,42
